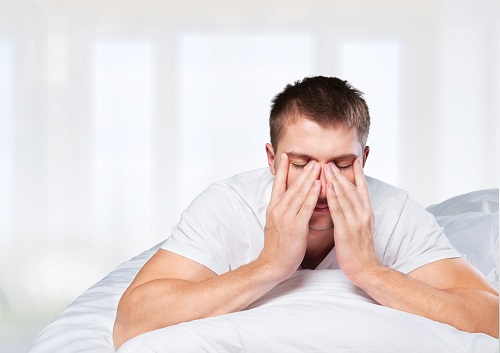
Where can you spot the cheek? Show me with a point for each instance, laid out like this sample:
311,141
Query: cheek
349,175
292,175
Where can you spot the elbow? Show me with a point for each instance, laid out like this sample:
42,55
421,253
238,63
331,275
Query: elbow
486,321
125,326
492,314
139,311
490,330
119,336
493,328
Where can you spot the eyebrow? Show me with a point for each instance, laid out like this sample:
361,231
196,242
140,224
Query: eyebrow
306,156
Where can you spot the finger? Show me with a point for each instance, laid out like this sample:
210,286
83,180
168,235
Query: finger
309,204
279,184
360,180
344,194
348,189
297,193
336,211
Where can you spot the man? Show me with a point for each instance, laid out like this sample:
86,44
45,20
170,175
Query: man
313,208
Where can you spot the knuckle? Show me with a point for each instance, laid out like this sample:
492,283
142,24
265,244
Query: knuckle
307,206
367,217
273,213
303,194
336,209
366,214
342,196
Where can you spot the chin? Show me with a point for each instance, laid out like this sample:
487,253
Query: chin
321,223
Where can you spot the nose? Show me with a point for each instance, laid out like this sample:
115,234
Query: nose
322,179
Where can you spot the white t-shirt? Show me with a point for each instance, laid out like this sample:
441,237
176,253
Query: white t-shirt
223,228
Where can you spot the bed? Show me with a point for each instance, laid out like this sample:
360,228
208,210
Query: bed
312,311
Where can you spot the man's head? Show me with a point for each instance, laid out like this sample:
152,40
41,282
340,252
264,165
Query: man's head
328,101
325,120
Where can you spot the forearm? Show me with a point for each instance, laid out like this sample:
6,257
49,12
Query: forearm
164,302
160,300
468,309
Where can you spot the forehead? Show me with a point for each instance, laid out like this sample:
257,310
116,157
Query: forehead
304,136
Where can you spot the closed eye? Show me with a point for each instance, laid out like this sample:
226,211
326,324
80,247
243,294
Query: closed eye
341,168
301,166
298,166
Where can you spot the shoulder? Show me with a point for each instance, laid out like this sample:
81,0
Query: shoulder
394,206
248,190
406,235
252,188
385,197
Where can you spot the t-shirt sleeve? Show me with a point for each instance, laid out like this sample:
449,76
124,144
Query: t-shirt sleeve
417,240
210,230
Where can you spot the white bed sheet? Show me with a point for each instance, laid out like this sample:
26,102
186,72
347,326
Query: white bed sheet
313,311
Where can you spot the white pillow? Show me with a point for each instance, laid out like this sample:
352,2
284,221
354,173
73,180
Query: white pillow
470,222
483,201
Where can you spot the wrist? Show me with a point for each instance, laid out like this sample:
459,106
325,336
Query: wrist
271,271
370,276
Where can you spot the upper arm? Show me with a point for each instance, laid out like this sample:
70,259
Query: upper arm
452,273
134,315
166,264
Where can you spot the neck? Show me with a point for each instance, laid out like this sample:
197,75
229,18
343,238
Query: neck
319,246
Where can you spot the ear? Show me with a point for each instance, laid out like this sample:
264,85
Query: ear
366,152
270,158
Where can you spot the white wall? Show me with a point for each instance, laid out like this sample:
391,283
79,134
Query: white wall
114,115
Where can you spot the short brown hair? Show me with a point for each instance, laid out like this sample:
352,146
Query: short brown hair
328,101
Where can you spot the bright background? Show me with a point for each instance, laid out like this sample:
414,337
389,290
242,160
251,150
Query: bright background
115,114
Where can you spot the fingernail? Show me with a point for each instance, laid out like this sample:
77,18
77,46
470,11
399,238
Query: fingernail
335,170
282,157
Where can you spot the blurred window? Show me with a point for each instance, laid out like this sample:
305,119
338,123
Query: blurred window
374,68
6,141
227,82
122,157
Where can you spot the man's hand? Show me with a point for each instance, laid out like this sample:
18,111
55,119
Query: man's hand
171,289
352,217
288,216
449,290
